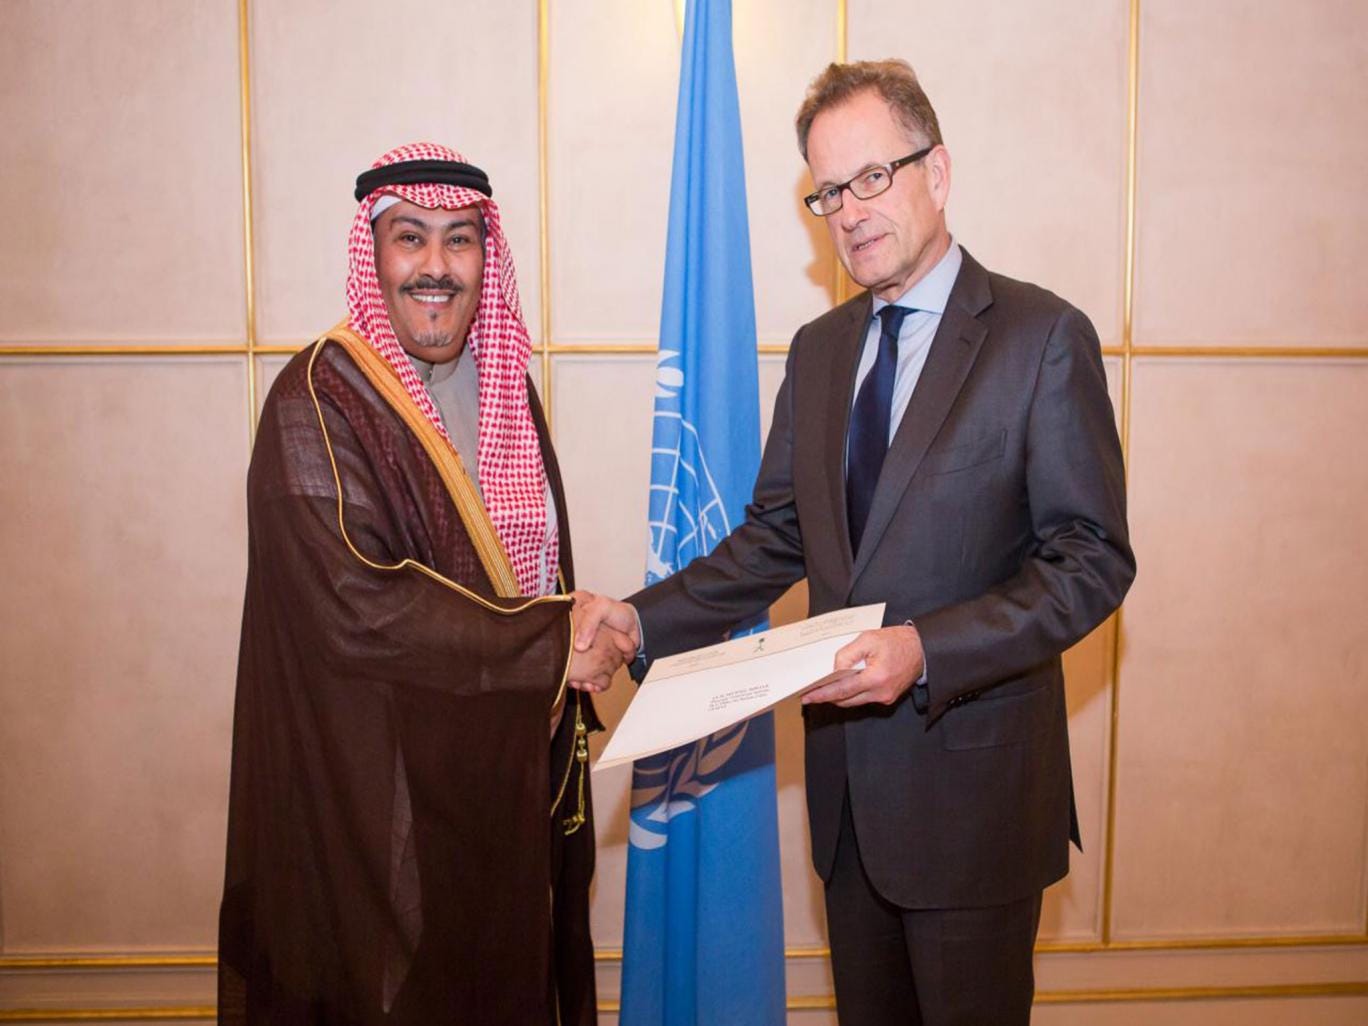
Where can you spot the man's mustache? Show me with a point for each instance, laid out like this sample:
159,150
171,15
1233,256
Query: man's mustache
427,283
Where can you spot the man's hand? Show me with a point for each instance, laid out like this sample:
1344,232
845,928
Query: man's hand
893,661
593,611
592,668
606,637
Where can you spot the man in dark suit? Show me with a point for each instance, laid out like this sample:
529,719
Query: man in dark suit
943,443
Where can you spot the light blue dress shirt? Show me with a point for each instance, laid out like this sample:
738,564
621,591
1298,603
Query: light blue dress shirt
927,298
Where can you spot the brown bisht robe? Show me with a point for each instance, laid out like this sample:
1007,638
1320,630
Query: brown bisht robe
402,842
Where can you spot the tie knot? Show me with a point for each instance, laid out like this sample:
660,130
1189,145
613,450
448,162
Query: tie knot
892,317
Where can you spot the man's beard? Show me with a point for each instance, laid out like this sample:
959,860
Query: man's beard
433,338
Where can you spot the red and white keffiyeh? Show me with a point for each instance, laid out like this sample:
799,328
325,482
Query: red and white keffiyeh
511,473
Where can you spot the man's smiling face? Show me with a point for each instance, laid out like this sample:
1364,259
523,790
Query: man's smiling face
430,264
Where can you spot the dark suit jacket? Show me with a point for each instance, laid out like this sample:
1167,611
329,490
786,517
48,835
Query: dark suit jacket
998,526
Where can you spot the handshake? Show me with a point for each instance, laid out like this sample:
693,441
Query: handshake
887,661
607,636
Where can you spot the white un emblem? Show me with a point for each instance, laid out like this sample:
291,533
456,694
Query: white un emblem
687,515
687,518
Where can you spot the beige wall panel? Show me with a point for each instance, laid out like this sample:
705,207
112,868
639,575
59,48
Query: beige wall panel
1073,907
121,123
603,439
1032,105
1112,366
1253,220
464,75
771,368
780,47
1261,966
115,987
1322,1011
614,73
124,559
1242,795
607,286
268,368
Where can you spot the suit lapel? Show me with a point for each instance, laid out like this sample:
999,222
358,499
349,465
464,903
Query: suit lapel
844,360
951,357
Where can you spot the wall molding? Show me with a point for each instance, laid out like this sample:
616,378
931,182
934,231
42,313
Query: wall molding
126,987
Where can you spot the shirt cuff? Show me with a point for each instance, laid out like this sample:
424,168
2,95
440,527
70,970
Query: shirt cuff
641,634
921,694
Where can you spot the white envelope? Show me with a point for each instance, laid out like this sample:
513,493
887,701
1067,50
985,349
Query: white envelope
694,694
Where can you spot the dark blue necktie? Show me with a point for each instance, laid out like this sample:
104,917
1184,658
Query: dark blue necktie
868,440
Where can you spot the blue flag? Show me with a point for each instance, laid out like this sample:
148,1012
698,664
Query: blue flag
704,932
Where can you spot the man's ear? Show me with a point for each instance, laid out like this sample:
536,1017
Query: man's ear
938,174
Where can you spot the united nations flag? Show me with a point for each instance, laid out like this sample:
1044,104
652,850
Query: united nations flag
704,937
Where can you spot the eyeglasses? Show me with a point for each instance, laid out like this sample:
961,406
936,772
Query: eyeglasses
873,180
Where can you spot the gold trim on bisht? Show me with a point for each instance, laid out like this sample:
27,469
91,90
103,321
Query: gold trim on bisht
453,476
453,473
579,754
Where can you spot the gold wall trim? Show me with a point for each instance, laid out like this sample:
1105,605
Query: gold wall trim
11,963
1180,944
1256,352
1127,355
544,202
207,960
248,244
798,952
245,129
600,348
641,347
1353,988
169,1013
841,284
121,349
42,349
800,1003
838,277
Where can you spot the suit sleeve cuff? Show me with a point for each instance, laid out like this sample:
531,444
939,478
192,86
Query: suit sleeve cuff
636,669
921,693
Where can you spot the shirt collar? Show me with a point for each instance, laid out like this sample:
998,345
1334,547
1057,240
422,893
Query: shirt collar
433,373
932,291
423,368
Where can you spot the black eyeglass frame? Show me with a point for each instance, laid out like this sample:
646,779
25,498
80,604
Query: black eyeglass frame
811,201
